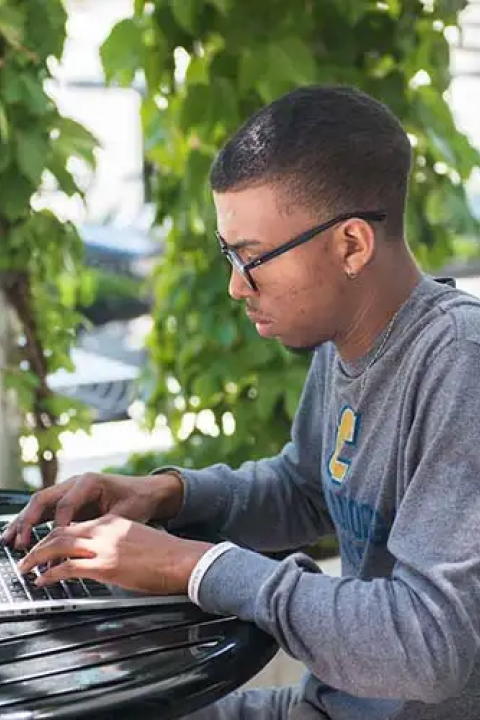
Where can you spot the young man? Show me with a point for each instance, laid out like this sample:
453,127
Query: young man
310,197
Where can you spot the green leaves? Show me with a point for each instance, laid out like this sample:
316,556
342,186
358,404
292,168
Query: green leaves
31,152
241,55
353,10
122,52
40,262
32,95
24,383
223,6
45,31
11,87
186,12
205,107
135,45
15,194
4,126
12,22
139,6
293,59
73,140
445,142
273,68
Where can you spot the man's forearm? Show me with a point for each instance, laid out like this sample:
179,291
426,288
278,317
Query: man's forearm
170,503
264,505
387,641
271,504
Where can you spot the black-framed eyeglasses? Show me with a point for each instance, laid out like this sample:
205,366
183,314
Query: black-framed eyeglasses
245,268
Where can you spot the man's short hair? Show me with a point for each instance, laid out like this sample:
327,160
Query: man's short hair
331,148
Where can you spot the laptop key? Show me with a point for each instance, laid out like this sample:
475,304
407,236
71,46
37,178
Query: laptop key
37,593
76,588
17,554
41,531
56,591
17,591
97,590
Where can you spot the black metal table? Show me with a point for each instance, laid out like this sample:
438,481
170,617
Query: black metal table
155,663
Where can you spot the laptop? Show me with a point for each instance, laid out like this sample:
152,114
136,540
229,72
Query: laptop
19,596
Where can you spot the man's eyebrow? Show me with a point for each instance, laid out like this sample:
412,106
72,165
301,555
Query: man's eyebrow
240,244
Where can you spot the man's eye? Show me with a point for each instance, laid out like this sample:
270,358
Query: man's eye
246,255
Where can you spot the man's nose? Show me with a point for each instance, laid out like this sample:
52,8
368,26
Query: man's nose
239,287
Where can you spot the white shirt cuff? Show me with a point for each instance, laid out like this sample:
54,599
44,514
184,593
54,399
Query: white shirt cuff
203,565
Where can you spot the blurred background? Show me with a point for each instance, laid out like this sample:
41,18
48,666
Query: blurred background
158,365
116,216
119,348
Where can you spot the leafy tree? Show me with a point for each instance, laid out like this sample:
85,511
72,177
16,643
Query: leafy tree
207,65
40,260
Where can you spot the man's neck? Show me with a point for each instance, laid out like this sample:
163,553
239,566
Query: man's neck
380,303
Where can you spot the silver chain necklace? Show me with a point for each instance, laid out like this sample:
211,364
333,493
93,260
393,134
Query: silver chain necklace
386,335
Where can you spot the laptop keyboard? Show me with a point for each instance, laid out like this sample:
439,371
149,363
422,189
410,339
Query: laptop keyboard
15,587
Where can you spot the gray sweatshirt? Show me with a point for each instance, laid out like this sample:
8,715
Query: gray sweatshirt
389,457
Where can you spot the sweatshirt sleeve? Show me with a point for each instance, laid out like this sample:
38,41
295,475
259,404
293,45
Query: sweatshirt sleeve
272,504
415,634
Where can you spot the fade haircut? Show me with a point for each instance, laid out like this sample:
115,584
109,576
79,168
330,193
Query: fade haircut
333,149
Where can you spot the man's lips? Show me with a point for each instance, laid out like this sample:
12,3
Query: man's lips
258,319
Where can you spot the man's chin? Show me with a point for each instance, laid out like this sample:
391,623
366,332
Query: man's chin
297,349
307,350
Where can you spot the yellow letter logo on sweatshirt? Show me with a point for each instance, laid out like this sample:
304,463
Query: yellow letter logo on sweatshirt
347,431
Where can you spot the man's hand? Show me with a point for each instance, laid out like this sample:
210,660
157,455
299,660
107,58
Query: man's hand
92,495
118,551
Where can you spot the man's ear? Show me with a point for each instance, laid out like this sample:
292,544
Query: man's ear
355,244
